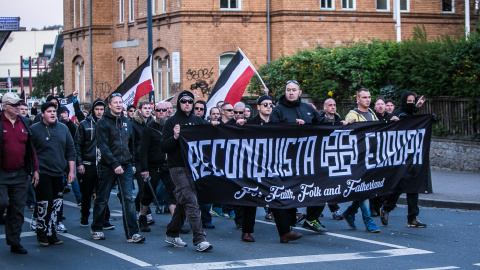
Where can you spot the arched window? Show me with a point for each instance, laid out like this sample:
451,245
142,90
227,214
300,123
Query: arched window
122,70
79,75
224,59
162,74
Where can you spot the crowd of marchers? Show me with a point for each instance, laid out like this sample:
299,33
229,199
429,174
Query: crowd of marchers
108,147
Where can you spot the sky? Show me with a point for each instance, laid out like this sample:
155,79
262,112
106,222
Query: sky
33,13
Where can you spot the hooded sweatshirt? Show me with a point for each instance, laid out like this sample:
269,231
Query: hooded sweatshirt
406,109
115,140
288,111
169,144
85,138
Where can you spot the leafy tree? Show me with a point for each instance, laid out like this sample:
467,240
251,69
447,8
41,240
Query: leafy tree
52,79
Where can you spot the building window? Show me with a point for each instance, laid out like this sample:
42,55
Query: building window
131,10
121,4
161,6
383,5
81,12
164,6
230,4
74,14
448,6
122,71
327,4
162,77
348,4
80,80
405,5
225,58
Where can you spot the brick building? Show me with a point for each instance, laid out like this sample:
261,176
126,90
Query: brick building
204,35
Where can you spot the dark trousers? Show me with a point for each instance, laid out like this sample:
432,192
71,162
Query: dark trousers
105,184
314,212
187,207
31,194
157,174
248,221
285,219
205,212
13,196
412,202
141,189
89,183
49,193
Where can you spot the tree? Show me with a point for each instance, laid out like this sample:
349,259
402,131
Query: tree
51,79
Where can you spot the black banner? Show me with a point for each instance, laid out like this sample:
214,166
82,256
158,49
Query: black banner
290,165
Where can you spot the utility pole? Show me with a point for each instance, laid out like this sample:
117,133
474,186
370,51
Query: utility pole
467,19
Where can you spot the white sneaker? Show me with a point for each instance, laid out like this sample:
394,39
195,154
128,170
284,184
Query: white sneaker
204,246
61,228
175,241
136,238
33,224
98,235
150,220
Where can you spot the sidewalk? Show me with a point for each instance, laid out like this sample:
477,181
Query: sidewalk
451,189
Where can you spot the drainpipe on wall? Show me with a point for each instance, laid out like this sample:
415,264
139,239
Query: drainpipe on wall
269,57
90,46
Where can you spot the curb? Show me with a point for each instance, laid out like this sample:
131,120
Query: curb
444,204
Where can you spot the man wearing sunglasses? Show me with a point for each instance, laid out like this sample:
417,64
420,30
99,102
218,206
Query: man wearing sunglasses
199,109
153,164
226,111
17,161
187,205
131,112
291,109
238,114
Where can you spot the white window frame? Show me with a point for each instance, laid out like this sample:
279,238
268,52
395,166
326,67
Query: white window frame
239,5
81,13
354,2
383,10
167,79
121,6
408,6
74,14
221,67
164,7
77,77
159,77
131,10
327,8
453,8
122,70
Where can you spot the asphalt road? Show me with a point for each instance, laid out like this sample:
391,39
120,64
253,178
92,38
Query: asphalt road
451,241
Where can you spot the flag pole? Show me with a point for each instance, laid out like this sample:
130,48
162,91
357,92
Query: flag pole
258,75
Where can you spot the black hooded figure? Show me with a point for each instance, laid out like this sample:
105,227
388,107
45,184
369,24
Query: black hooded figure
406,109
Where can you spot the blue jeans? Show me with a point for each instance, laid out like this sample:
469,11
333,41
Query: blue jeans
364,206
105,185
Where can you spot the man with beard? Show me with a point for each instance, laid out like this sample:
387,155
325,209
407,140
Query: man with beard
291,109
187,204
408,107
86,148
214,114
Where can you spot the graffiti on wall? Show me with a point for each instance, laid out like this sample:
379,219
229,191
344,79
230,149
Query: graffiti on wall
200,74
202,86
102,89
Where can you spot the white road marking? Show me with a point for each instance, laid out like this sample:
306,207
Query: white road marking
23,234
476,264
69,203
439,268
298,259
343,236
107,250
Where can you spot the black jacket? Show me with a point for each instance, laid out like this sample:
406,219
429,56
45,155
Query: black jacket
29,159
257,120
70,125
86,141
115,140
151,155
405,109
338,119
288,111
138,125
169,144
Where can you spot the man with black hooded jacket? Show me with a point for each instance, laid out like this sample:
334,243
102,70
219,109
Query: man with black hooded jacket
408,107
117,164
86,149
291,109
187,204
